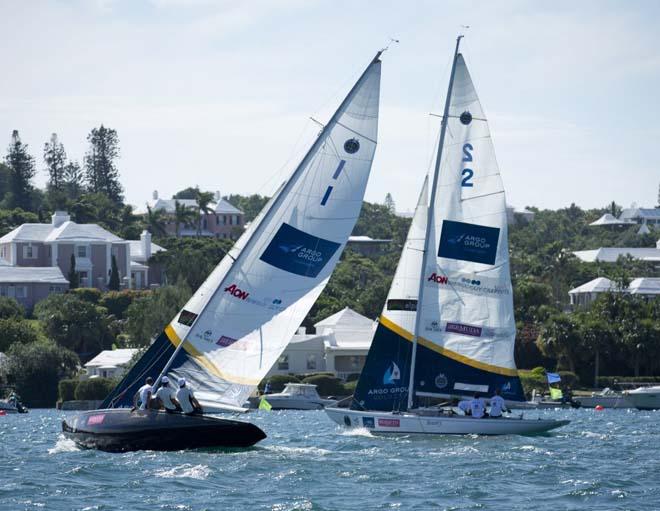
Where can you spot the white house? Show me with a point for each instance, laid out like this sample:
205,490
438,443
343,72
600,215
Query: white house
340,346
648,216
611,254
109,363
586,293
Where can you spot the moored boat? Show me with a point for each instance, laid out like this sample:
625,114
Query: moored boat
298,396
644,398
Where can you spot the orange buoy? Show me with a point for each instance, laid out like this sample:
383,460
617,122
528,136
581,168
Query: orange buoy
599,408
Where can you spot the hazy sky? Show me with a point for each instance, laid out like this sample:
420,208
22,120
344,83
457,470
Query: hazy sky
219,94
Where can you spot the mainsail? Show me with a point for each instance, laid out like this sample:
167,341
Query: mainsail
241,318
460,340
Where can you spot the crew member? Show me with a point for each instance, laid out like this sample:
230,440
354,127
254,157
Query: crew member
497,405
477,407
464,406
143,395
165,396
186,398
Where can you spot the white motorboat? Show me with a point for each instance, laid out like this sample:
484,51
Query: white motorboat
298,396
644,398
447,329
447,423
12,405
607,398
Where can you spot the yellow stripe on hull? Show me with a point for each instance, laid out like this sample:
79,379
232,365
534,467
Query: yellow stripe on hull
390,325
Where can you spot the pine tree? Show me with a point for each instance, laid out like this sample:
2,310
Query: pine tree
73,277
73,179
113,285
389,203
21,165
101,172
55,158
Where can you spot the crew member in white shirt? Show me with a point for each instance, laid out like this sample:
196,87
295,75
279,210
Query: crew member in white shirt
497,405
143,395
186,398
477,407
165,395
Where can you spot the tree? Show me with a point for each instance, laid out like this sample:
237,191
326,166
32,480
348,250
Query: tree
10,309
183,216
389,203
156,221
73,180
560,339
10,219
204,199
73,277
250,205
16,330
101,172
21,165
113,284
55,158
36,368
75,324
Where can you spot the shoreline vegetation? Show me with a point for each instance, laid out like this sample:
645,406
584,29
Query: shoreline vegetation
615,337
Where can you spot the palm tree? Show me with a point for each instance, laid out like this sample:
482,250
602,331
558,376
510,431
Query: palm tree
204,199
156,221
183,215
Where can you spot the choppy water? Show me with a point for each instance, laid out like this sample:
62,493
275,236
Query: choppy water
606,460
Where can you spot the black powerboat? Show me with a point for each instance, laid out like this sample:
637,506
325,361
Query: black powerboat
120,430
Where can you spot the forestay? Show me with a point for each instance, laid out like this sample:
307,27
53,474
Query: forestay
239,321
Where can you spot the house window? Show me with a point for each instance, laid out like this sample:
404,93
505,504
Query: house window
82,251
30,251
217,219
21,292
224,219
235,219
83,278
3,290
311,361
283,363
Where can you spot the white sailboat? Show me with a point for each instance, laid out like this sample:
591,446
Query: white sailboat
229,334
447,329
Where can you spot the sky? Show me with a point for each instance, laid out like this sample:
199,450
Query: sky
219,94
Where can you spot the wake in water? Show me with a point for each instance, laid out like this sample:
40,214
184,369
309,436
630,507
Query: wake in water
63,444
357,432
185,471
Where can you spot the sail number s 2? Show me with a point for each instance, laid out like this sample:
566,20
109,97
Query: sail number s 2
467,173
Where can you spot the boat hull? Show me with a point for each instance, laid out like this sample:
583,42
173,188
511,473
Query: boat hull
293,403
644,399
605,401
405,423
120,430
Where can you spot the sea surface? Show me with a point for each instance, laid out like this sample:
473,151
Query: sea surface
608,460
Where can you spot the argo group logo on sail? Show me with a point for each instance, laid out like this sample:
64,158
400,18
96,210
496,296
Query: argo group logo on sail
468,242
298,252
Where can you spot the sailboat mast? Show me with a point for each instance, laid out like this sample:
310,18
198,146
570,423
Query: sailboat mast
429,225
278,200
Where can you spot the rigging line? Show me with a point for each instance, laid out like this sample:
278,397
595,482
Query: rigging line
356,132
450,284
501,265
484,195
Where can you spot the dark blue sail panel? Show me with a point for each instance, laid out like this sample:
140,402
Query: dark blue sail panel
383,383
439,374
150,364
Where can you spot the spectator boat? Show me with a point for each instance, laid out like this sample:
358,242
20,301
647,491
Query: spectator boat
644,398
298,396
447,330
229,334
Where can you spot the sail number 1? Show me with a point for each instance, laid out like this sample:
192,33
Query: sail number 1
467,173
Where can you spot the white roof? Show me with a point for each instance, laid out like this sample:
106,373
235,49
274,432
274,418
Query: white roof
609,219
346,318
366,239
137,254
222,207
68,231
611,254
645,286
27,274
347,329
648,213
599,285
109,359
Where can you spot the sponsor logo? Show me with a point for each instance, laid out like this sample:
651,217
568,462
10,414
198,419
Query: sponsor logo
459,328
468,242
95,419
381,393
298,252
225,341
466,118
277,301
441,381
506,388
438,279
389,423
187,318
368,422
392,374
236,292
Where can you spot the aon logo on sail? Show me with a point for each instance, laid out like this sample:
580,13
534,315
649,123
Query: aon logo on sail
237,292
